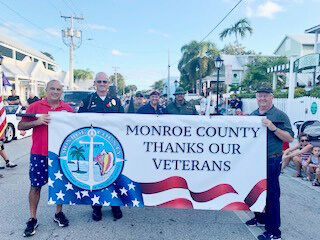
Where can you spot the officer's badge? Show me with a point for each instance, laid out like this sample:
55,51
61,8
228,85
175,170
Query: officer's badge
113,102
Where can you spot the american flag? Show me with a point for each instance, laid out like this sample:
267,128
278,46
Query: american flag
125,192
3,119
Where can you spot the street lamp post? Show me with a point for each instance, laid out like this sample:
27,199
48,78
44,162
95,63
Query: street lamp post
218,64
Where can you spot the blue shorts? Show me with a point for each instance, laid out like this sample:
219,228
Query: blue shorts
38,172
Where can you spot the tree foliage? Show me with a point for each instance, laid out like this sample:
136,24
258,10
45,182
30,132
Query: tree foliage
120,82
130,88
82,74
197,61
257,76
158,85
240,28
233,49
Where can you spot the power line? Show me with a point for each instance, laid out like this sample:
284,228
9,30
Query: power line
221,20
26,19
28,37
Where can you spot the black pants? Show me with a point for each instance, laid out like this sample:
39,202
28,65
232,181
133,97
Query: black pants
271,217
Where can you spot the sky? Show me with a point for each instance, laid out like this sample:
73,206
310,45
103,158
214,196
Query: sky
136,35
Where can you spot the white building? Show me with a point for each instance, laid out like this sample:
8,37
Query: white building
28,70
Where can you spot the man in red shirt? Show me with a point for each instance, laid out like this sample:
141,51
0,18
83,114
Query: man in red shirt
38,172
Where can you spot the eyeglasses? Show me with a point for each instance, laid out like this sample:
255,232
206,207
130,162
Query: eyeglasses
100,81
304,140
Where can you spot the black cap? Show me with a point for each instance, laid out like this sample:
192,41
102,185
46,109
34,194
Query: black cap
139,94
265,90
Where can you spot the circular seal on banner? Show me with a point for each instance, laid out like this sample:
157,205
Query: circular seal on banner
314,107
91,158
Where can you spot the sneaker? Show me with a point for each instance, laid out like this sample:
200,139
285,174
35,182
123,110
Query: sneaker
316,183
2,165
96,213
32,224
116,212
61,219
268,236
254,222
10,165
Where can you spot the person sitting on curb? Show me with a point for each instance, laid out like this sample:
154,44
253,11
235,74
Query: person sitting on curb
299,157
312,163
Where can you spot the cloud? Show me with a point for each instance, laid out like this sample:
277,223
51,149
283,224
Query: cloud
117,52
155,32
53,32
269,9
101,27
249,12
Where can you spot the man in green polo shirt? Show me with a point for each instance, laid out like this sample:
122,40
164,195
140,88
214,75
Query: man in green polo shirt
180,106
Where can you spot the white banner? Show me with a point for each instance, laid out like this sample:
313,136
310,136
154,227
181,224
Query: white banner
166,161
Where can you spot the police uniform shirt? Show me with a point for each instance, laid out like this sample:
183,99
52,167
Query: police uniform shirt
94,103
281,121
148,109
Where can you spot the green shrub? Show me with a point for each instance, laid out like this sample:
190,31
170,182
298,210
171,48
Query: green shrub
300,92
315,92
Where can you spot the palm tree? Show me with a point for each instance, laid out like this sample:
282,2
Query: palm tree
197,61
77,152
239,28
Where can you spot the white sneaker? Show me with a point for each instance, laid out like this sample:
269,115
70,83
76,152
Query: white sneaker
10,165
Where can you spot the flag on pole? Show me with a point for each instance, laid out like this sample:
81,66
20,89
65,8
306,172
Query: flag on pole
5,81
3,119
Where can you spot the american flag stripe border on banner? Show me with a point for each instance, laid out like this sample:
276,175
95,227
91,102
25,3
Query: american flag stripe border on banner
3,119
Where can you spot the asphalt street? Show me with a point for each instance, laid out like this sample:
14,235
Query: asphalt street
300,214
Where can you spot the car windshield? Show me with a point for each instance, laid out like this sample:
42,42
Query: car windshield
11,109
75,97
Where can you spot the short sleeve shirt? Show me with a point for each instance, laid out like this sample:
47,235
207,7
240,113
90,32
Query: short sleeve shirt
40,133
281,121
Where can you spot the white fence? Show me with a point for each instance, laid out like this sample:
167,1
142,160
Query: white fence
302,107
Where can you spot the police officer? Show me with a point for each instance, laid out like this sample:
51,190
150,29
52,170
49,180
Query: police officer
102,101
279,130
180,105
153,106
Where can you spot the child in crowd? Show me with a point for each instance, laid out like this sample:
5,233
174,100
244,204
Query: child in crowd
312,164
298,157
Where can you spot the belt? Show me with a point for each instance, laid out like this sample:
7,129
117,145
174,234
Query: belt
275,155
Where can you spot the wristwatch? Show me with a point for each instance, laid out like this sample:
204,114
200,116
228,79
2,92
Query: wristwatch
274,130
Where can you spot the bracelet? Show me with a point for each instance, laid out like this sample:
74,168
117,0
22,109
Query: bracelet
274,130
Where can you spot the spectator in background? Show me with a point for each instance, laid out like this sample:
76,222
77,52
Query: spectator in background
3,154
13,99
203,105
312,163
32,98
135,103
238,103
297,157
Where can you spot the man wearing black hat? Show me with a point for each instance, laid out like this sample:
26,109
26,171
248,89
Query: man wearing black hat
135,104
102,101
180,105
152,107
279,130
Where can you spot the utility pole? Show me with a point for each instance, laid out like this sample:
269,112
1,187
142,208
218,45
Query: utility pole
71,33
168,88
115,76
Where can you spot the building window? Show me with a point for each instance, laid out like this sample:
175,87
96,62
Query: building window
35,60
6,51
50,67
44,64
20,56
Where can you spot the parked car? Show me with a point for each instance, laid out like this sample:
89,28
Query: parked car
12,131
73,98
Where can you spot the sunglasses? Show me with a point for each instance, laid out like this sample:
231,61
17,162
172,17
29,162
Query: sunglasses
100,81
304,140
